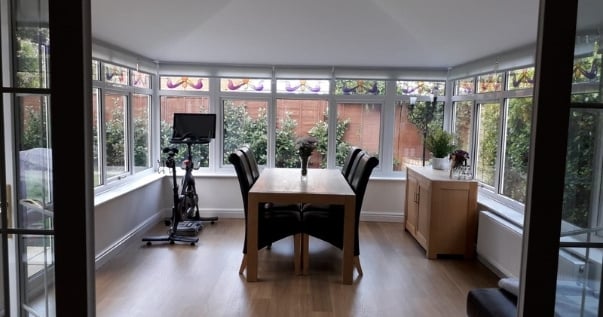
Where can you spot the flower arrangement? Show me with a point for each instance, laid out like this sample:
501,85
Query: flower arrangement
459,158
305,145
458,165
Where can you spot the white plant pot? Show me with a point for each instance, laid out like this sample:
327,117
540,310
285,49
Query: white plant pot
438,163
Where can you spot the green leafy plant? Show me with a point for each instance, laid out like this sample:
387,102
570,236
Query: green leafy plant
440,143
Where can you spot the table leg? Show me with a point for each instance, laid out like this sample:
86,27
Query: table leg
348,240
252,239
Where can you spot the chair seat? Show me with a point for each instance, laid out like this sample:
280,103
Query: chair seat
326,225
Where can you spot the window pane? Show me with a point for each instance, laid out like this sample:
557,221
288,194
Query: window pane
359,87
142,128
184,83
408,140
183,104
421,88
426,116
35,157
32,55
313,87
34,208
141,80
583,163
116,74
296,118
245,85
517,136
487,142
489,83
95,71
464,86
115,133
245,123
463,112
97,151
587,69
578,282
358,124
520,78
37,263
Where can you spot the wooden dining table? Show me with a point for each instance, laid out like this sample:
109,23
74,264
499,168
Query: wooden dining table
286,185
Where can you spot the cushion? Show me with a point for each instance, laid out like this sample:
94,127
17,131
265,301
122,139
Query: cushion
510,284
491,302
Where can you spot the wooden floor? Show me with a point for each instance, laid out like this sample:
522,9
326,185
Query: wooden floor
203,280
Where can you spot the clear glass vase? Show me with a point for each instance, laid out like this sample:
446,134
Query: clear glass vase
304,164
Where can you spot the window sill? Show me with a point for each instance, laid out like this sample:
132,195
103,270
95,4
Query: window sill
513,216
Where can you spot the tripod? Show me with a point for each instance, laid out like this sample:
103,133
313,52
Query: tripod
183,204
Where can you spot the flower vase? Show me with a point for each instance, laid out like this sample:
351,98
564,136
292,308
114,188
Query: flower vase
304,165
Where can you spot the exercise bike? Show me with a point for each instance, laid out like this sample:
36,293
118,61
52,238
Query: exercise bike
188,204
188,128
176,218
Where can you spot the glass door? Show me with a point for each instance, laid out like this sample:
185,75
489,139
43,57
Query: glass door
580,264
27,230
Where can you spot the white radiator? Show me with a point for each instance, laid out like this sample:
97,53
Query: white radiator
499,244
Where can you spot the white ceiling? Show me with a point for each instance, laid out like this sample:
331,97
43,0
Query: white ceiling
371,33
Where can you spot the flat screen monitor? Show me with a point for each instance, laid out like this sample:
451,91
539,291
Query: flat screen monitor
194,127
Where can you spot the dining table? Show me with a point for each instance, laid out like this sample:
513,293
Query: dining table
287,185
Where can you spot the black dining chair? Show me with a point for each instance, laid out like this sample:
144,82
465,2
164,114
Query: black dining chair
349,159
272,225
349,164
327,225
253,163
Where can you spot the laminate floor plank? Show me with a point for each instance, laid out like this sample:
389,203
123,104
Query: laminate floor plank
202,280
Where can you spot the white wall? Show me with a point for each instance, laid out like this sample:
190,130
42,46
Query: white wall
128,215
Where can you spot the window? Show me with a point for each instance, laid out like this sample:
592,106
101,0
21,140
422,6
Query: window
183,104
517,144
487,142
358,124
463,114
297,118
245,123
489,117
420,109
182,94
494,127
121,127
141,106
359,109
115,133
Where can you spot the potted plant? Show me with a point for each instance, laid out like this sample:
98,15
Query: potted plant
440,143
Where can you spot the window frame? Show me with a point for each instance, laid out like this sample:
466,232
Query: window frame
102,87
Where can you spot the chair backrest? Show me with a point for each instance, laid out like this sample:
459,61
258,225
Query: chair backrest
354,165
361,176
253,163
238,159
347,163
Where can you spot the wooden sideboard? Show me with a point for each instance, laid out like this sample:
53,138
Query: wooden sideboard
441,212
